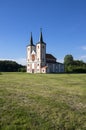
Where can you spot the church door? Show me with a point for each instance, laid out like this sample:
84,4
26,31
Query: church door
32,70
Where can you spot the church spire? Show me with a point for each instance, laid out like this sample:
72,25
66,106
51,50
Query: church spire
31,40
41,37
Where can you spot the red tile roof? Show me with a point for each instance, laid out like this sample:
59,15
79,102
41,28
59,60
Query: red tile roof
49,56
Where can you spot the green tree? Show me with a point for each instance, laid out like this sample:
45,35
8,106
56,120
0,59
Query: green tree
74,66
10,66
68,62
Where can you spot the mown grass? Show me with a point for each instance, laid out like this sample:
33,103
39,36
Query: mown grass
42,101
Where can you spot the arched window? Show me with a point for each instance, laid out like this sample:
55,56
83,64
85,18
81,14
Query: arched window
33,57
43,70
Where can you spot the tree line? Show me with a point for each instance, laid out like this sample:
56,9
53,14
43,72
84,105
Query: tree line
70,65
11,66
74,66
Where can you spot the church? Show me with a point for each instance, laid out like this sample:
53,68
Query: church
38,61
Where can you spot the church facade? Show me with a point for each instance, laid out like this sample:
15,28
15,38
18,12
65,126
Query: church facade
38,61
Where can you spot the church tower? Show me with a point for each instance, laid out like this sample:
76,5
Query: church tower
40,62
41,53
31,51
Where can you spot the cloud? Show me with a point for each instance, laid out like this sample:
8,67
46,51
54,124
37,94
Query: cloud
83,58
21,61
83,47
60,60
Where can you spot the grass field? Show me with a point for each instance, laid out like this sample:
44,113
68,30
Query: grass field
42,101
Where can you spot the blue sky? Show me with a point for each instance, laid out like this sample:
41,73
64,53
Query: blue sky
63,24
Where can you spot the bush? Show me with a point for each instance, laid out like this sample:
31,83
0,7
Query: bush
22,69
79,70
0,73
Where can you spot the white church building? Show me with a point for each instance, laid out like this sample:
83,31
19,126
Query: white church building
38,61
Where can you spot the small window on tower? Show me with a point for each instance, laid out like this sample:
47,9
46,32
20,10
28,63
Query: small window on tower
38,47
43,70
38,64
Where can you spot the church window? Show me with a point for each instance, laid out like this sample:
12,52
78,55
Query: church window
38,64
33,57
38,47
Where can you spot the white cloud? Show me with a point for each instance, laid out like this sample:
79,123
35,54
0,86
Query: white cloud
83,47
7,59
21,61
83,58
60,60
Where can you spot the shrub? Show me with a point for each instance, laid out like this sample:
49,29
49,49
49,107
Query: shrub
0,73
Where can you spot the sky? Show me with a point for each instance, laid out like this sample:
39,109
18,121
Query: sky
63,24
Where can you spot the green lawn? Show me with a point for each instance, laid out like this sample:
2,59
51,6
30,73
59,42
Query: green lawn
42,101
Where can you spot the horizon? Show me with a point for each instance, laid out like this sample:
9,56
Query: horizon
63,26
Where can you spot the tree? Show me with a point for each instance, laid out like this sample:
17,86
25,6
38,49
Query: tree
74,66
10,66
68,61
